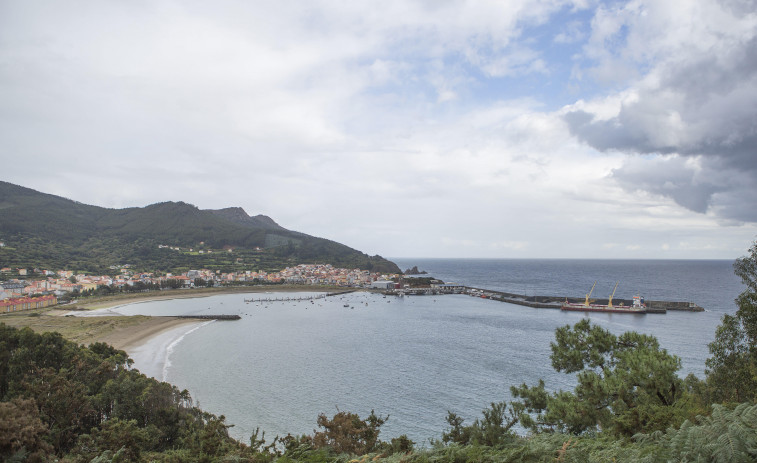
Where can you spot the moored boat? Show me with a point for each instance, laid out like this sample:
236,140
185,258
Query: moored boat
638,305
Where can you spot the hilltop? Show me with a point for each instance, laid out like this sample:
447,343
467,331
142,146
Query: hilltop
48,231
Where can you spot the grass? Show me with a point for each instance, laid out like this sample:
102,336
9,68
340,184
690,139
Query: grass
81,330
86,330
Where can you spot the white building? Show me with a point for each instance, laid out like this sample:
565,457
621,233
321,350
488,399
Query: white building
383,284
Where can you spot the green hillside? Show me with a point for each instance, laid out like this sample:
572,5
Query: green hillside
47,231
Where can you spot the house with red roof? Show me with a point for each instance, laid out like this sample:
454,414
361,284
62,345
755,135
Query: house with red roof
27,303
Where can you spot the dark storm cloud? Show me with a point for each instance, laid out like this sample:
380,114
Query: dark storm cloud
669,177
619,133
705,105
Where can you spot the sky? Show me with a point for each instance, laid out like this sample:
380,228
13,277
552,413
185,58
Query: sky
410,128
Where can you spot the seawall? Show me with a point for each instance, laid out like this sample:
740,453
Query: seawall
545,302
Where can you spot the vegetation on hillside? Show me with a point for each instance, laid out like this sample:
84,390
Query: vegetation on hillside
86,404
46,231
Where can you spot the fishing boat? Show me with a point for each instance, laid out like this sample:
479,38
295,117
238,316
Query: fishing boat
638,305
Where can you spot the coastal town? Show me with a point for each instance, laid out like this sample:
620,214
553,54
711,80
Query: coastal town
35,288
42,288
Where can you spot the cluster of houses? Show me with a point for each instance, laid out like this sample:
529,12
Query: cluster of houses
56,284
309,274
27,303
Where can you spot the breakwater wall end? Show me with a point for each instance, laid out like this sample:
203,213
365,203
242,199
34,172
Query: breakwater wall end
672,305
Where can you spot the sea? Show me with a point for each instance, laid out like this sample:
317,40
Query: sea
415,358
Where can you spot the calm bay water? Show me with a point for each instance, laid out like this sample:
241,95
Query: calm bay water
415,358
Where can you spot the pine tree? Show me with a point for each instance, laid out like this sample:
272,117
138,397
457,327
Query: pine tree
732,369
626,384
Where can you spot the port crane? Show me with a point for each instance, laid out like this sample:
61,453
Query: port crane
609,303
589,295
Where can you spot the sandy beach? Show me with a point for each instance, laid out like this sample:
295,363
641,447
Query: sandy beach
129,338
121,332
136,334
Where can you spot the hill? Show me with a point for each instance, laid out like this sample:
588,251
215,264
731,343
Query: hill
47,231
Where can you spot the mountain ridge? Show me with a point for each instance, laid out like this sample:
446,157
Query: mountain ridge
36,224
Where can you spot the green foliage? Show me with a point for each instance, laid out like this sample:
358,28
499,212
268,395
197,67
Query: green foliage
57,398
47,231
626,384
21,430
542,448
401,444
724,436
348,433
115,436
732,369
494,429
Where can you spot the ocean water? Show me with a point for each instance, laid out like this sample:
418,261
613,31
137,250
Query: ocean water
414,358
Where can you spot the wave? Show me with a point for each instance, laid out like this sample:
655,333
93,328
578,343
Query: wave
172,346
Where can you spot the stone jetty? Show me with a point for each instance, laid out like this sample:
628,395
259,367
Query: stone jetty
540,302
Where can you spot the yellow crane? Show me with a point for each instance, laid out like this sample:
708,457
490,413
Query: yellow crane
609,303
589,295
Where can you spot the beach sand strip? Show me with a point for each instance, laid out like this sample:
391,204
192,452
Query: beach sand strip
121,332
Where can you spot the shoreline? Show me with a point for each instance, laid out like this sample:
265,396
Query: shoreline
110,302
151,350
128,332
124,332
131,338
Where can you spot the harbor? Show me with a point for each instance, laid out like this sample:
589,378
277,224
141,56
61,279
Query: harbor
545,302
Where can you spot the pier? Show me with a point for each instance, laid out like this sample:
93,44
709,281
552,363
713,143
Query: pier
291,299
302,298
541,302
210,317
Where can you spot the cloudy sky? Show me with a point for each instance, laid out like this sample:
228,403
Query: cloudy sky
404,128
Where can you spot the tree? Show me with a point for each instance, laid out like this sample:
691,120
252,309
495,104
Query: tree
57,397
401,444
115,435
347,433
732,369
171,283
492,430
626,384
21,430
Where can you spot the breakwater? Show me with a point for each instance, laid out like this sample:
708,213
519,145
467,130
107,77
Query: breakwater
541,302
210,317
